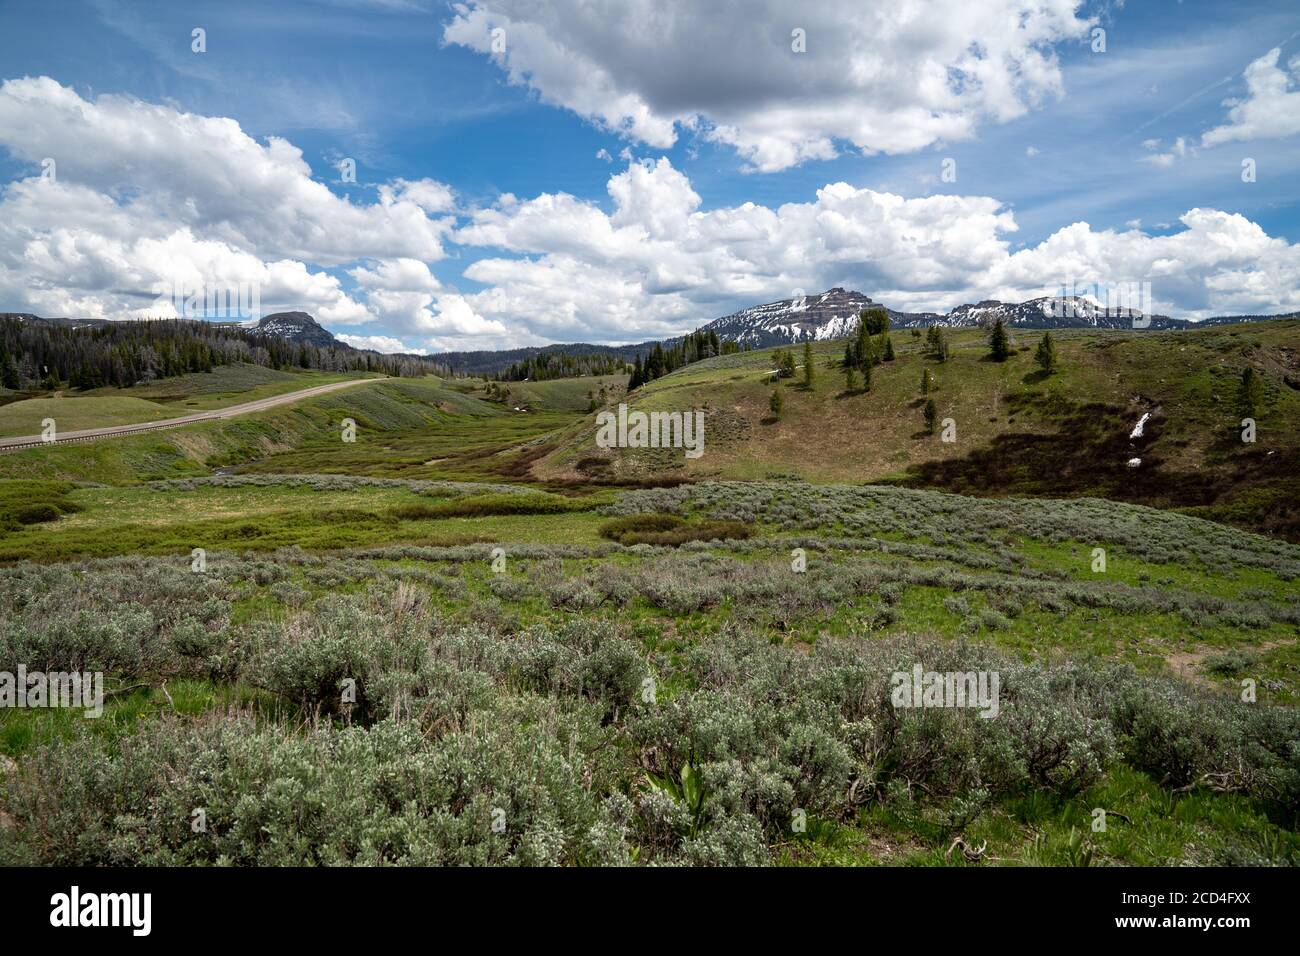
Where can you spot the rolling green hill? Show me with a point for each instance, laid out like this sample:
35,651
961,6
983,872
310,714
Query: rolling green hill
312,426
165,398
1017,431
75,413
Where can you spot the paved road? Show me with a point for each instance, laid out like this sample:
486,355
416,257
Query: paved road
91,434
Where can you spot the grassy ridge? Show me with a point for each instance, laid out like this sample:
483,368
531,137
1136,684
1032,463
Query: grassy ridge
1018,432
393,407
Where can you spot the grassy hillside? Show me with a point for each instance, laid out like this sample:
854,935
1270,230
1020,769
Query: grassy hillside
228,385
166,398
420,415
560,394
75,413
1017,431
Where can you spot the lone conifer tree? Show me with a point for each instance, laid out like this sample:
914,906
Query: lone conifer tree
1045,356
931,415
850,379
936,343
775,403
999,347
807,364
889,349
927,381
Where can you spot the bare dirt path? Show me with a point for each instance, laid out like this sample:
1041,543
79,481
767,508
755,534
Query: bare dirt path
91,434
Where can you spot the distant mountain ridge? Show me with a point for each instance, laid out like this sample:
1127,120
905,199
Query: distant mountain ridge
828,315
831,315
834,314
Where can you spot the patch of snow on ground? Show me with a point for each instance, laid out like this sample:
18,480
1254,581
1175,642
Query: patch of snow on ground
1134,462
1140,427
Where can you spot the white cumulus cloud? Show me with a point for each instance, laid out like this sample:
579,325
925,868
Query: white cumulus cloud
1271,109
134,194
378,343
658,263
782,84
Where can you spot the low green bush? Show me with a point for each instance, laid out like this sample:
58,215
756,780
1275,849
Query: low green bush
482,506
25,502
37,514
665,530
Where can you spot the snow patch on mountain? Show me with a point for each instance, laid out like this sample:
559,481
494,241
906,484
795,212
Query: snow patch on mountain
833,314
296,327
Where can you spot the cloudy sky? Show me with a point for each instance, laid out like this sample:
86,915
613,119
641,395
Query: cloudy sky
430,175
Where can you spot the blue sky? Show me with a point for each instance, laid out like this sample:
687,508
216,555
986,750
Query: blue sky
413,93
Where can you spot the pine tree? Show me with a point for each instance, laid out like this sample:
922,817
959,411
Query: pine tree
936,343
999,347
1045,356
876,320
862,345
638,375
787,364
1249,393
889,349
866,376
807,364
657,366
931,416
927,381
775,403
850,379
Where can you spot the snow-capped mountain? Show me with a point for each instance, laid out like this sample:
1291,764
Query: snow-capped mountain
834,314
1057,312
831,315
